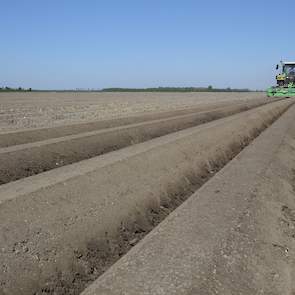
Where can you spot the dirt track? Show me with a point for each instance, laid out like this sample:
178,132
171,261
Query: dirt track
62,229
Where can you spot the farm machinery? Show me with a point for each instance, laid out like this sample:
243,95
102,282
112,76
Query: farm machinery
285,81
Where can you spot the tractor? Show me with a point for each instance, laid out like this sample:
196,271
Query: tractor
285,81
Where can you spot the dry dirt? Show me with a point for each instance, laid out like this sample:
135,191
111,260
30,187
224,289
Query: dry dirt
63,228
235,235
129,160
46,109
55,150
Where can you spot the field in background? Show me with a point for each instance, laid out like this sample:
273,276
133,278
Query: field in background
44,109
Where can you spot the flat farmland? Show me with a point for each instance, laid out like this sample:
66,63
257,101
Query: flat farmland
146,193
45,109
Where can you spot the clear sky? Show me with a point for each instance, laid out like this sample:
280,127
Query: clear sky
63,44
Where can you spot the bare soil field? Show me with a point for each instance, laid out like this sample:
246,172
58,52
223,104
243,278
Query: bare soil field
146,194
46,109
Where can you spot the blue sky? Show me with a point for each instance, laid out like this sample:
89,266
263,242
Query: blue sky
63,44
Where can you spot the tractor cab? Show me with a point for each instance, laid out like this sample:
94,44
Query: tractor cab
287,74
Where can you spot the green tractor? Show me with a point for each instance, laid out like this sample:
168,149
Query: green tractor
285,81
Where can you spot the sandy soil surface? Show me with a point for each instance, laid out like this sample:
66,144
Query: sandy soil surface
46,109
112,216
65,227
235,235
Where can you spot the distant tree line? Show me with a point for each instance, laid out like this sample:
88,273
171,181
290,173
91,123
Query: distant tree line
175,89
10,89
115,89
